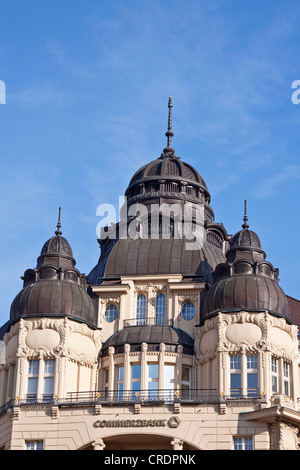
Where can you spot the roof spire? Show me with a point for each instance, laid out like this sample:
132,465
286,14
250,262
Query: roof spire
169,134
245,224
58,231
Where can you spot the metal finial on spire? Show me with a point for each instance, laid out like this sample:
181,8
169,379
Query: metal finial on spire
169,134
58,231
245,224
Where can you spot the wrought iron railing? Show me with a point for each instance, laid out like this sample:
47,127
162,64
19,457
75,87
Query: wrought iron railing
149,321
127,397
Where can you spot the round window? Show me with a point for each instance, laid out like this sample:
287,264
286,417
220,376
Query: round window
188,311
111,313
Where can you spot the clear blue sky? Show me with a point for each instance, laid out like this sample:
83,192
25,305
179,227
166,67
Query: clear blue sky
87,88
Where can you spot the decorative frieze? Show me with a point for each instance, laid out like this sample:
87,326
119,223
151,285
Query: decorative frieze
245,332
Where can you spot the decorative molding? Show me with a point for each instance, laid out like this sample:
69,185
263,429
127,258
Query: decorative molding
64,327
264,321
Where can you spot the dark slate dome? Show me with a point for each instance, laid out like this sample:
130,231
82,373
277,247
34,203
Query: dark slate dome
246,292
55,286
59,298
153,336
170,167
166,181
161,256
245,237
246,280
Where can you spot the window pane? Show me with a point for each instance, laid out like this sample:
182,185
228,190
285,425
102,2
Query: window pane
185,374
188,311
169,372
252,361
32,386
120,373
153,385
238,443
48,385
136,386
235,362
34,445
49,366
111,313
235,381
136,371
153,371
252,380
33,367
141,306
274,384
274,365
248,443
160,309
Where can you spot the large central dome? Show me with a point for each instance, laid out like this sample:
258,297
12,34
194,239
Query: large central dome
165,182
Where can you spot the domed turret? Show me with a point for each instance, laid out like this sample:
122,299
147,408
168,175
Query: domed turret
246,280
55,286
168,179
165,183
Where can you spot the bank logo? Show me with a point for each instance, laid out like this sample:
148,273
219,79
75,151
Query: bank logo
174,422
2,92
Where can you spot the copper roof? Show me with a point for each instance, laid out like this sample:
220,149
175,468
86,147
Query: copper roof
152,335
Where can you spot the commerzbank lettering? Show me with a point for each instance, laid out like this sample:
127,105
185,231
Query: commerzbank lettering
137,423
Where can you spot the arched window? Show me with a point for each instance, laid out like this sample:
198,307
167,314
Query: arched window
188,311
160,309
141,308
111,313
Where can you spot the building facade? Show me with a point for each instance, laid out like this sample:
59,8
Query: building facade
180,338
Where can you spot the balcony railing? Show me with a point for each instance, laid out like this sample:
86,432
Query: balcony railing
130,397
148,322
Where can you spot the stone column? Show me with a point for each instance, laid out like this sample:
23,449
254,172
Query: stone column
177,444
98,445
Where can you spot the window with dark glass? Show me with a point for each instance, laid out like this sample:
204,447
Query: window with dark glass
160,309
32,379
141,309
111,313
136,379
188,310
48,379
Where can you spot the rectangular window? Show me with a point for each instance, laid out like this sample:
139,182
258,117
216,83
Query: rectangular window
186,381
152,380
286,378
48,379
136,379
243,443
32,380
252,375
34,445
274,369
120,381
235,376
169,380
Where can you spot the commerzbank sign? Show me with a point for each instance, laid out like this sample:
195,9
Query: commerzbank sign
172,422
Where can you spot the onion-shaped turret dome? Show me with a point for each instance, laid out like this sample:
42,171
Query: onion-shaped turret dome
246,280
55,287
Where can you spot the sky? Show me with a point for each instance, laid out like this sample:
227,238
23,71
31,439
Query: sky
86,94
